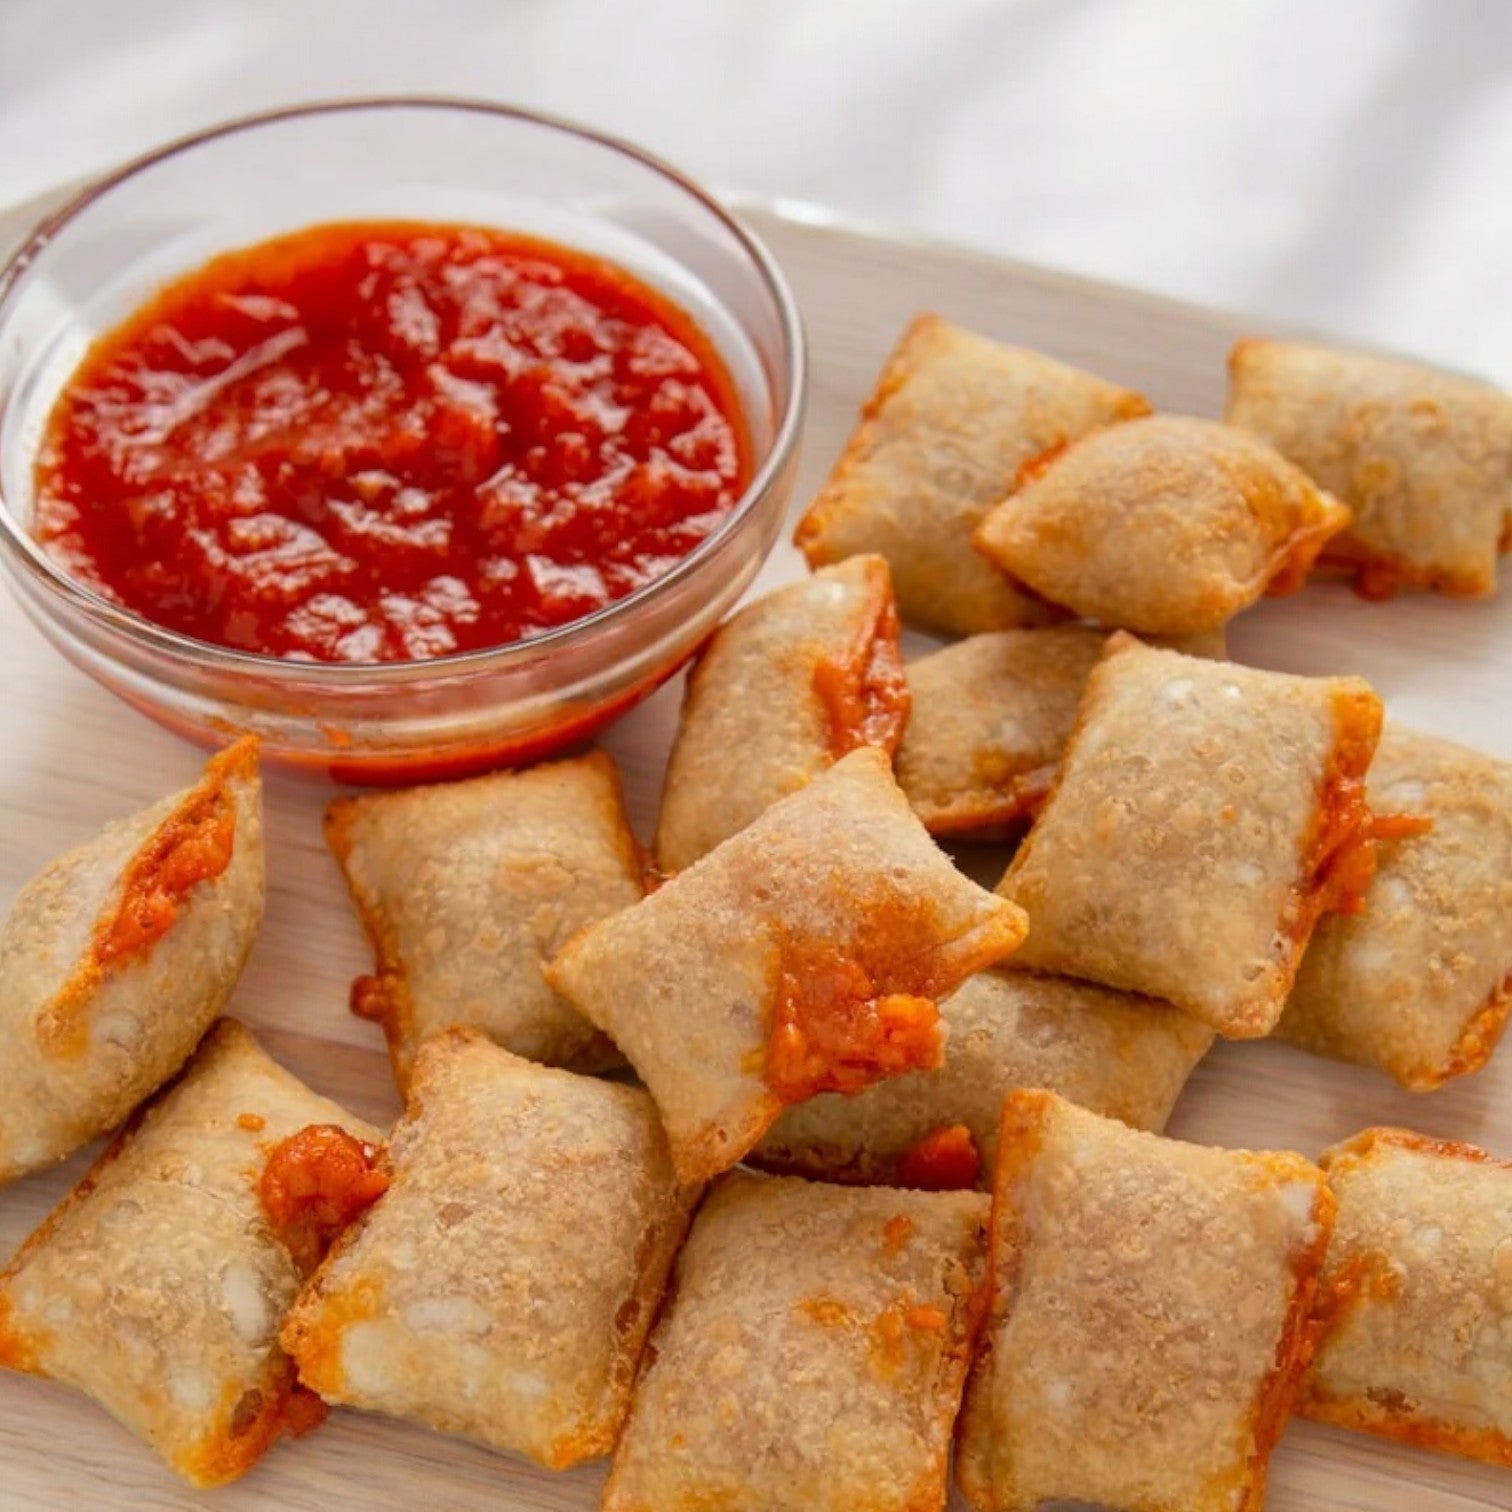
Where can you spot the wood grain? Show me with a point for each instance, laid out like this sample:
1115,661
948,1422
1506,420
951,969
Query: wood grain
73,757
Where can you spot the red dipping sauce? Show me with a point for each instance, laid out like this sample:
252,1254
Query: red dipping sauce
389,442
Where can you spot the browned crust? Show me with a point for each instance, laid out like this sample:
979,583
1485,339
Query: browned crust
1294,1353
1392,1416
1407,1139
809,536
1021,1133
1294,558
1474,1045
383,997
15,1352
286,1409
62,1027
1380,575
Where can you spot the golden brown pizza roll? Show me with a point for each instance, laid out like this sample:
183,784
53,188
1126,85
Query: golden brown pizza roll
1416,1299
503,1286
1417,983
811,1355
158,1286
941,439
991,717
1167,525
467,889
1147,1323
118,956
781,692
1121,1055
1422,457
803,955
1204,817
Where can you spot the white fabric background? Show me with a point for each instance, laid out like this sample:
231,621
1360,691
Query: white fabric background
1345,163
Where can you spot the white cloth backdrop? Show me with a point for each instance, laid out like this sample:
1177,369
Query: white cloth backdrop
1345,163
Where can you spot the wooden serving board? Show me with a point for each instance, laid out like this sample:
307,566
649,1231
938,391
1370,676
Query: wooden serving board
73,757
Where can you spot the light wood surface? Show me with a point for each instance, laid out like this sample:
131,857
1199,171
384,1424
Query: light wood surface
73,757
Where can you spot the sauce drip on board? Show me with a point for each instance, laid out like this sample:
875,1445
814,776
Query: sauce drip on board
387,442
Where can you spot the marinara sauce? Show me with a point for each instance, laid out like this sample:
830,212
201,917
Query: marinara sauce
389,441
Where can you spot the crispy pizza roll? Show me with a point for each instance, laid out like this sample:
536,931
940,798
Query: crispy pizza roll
991,717
118,956
1416,1299
781,692
1423,458
941,439
1204,817
803,955
1166,525
1121,1055
1417,984
1147,1325
466,889
503,1286
811,1354
158,1286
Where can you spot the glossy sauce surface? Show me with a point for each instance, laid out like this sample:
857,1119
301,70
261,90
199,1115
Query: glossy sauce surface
389,441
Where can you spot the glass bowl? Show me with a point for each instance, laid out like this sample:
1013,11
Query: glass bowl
94,261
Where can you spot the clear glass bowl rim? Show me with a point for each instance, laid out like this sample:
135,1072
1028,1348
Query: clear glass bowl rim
26,553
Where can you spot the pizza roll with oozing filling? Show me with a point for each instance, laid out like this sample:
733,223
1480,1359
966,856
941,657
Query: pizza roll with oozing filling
1166,525
941,439
803,955
1416,1299
781,692
1417,984
1204,817
158,1286
991,717
811,1354
119,955
1121,1055
1423,458
503,1286
466,889
1147,1325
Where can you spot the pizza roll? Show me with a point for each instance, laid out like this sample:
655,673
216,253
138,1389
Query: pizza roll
781,692
158,1286
1167,525
811,1354
1417,984
1147,1325
941,439
801,956
1423,459
466,889
503,1286
991,717
1204,816
1124,1056
118,956
1416,1300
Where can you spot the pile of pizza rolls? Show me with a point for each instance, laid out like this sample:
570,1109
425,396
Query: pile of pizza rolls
778,1161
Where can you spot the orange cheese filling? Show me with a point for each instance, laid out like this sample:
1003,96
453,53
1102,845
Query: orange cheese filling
194,846
315,1184
945,1160
831,1034
1340,858
866,694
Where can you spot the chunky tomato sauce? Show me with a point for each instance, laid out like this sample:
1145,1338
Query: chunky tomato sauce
315,1184
388,442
